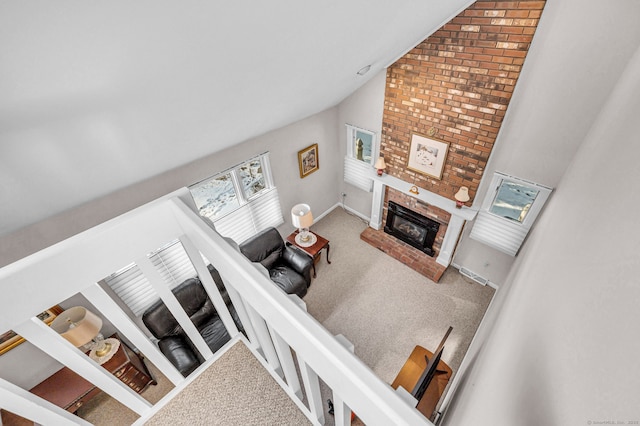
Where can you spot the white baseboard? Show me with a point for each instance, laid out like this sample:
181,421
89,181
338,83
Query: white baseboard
347,208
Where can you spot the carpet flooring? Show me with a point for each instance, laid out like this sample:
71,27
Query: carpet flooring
382,306
235,390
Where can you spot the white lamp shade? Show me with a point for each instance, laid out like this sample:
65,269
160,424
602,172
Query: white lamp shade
301,216
380,164
463,194
77,325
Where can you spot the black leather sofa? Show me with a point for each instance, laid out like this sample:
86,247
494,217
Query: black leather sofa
288,266
172,341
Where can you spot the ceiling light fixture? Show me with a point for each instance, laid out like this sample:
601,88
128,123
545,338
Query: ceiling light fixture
364,70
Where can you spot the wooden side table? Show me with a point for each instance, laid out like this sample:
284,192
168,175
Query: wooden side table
315,250
70,391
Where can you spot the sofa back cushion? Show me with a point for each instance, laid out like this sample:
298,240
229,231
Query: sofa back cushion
265,247
194,300
159,319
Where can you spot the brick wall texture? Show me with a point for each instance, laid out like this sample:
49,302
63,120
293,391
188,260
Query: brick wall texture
454,87
458,84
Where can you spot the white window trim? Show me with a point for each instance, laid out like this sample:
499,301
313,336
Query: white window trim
351,136
249,220
501,233
358,172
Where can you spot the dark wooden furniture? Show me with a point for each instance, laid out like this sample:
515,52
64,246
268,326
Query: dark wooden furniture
70,391
411,372
315,250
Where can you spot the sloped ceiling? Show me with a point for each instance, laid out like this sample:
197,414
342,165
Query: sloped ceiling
95,96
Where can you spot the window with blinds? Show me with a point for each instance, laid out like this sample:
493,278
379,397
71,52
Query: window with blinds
362,151
134,289
508,212
240,201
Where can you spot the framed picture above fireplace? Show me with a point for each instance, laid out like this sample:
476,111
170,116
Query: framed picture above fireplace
427,156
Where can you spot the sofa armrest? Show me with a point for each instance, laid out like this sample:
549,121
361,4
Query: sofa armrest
179,353
299,261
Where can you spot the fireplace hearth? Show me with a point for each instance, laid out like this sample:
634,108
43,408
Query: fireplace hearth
411,227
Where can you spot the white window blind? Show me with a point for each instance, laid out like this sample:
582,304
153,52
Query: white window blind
134,289
240,201
498,233
362,153
508,212
358,173
253,217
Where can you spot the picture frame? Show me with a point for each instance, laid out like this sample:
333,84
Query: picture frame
308,160
427,156
362,144
10,339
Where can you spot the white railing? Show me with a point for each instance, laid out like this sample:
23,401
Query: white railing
274,322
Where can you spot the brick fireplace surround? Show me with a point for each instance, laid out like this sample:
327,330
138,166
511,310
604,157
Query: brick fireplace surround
454,87
403,252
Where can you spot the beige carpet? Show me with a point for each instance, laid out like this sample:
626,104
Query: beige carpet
235,390
104,410
383,307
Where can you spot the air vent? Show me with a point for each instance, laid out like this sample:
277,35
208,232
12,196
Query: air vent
477,278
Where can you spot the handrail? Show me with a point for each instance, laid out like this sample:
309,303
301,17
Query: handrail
140,231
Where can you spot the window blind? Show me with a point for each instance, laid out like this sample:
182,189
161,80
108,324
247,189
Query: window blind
358,173
258,214
498,233
134,289
508,212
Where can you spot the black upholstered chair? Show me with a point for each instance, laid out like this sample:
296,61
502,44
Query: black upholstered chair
288,266
172,340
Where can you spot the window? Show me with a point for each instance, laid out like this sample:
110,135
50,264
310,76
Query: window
508,212
240,201
134,289
513,200
362,152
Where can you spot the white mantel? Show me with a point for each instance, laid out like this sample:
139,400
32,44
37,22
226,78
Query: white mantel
458,215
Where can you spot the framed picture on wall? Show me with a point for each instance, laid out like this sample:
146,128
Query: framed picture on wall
10,339
308,160
427,156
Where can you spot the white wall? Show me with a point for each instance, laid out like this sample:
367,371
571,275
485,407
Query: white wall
564,348
578,52
320,189
364,108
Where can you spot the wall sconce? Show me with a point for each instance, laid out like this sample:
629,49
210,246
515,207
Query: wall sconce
462,196
380,165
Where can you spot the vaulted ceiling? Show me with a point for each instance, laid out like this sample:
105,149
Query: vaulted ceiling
95,96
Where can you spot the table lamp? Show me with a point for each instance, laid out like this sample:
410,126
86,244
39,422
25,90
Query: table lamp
462,196
80,326
302,219
380,165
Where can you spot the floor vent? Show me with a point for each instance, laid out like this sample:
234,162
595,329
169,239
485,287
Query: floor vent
477,278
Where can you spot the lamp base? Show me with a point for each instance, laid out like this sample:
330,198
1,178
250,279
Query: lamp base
103,349
113,345
312,239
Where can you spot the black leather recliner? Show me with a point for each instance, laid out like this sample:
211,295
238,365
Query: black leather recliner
173,342
288,266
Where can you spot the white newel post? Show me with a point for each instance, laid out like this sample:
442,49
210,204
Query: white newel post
454,228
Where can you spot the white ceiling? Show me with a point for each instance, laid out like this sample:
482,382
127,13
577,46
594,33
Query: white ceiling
95,96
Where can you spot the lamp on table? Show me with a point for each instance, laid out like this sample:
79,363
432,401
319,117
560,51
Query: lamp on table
80,326
302,219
